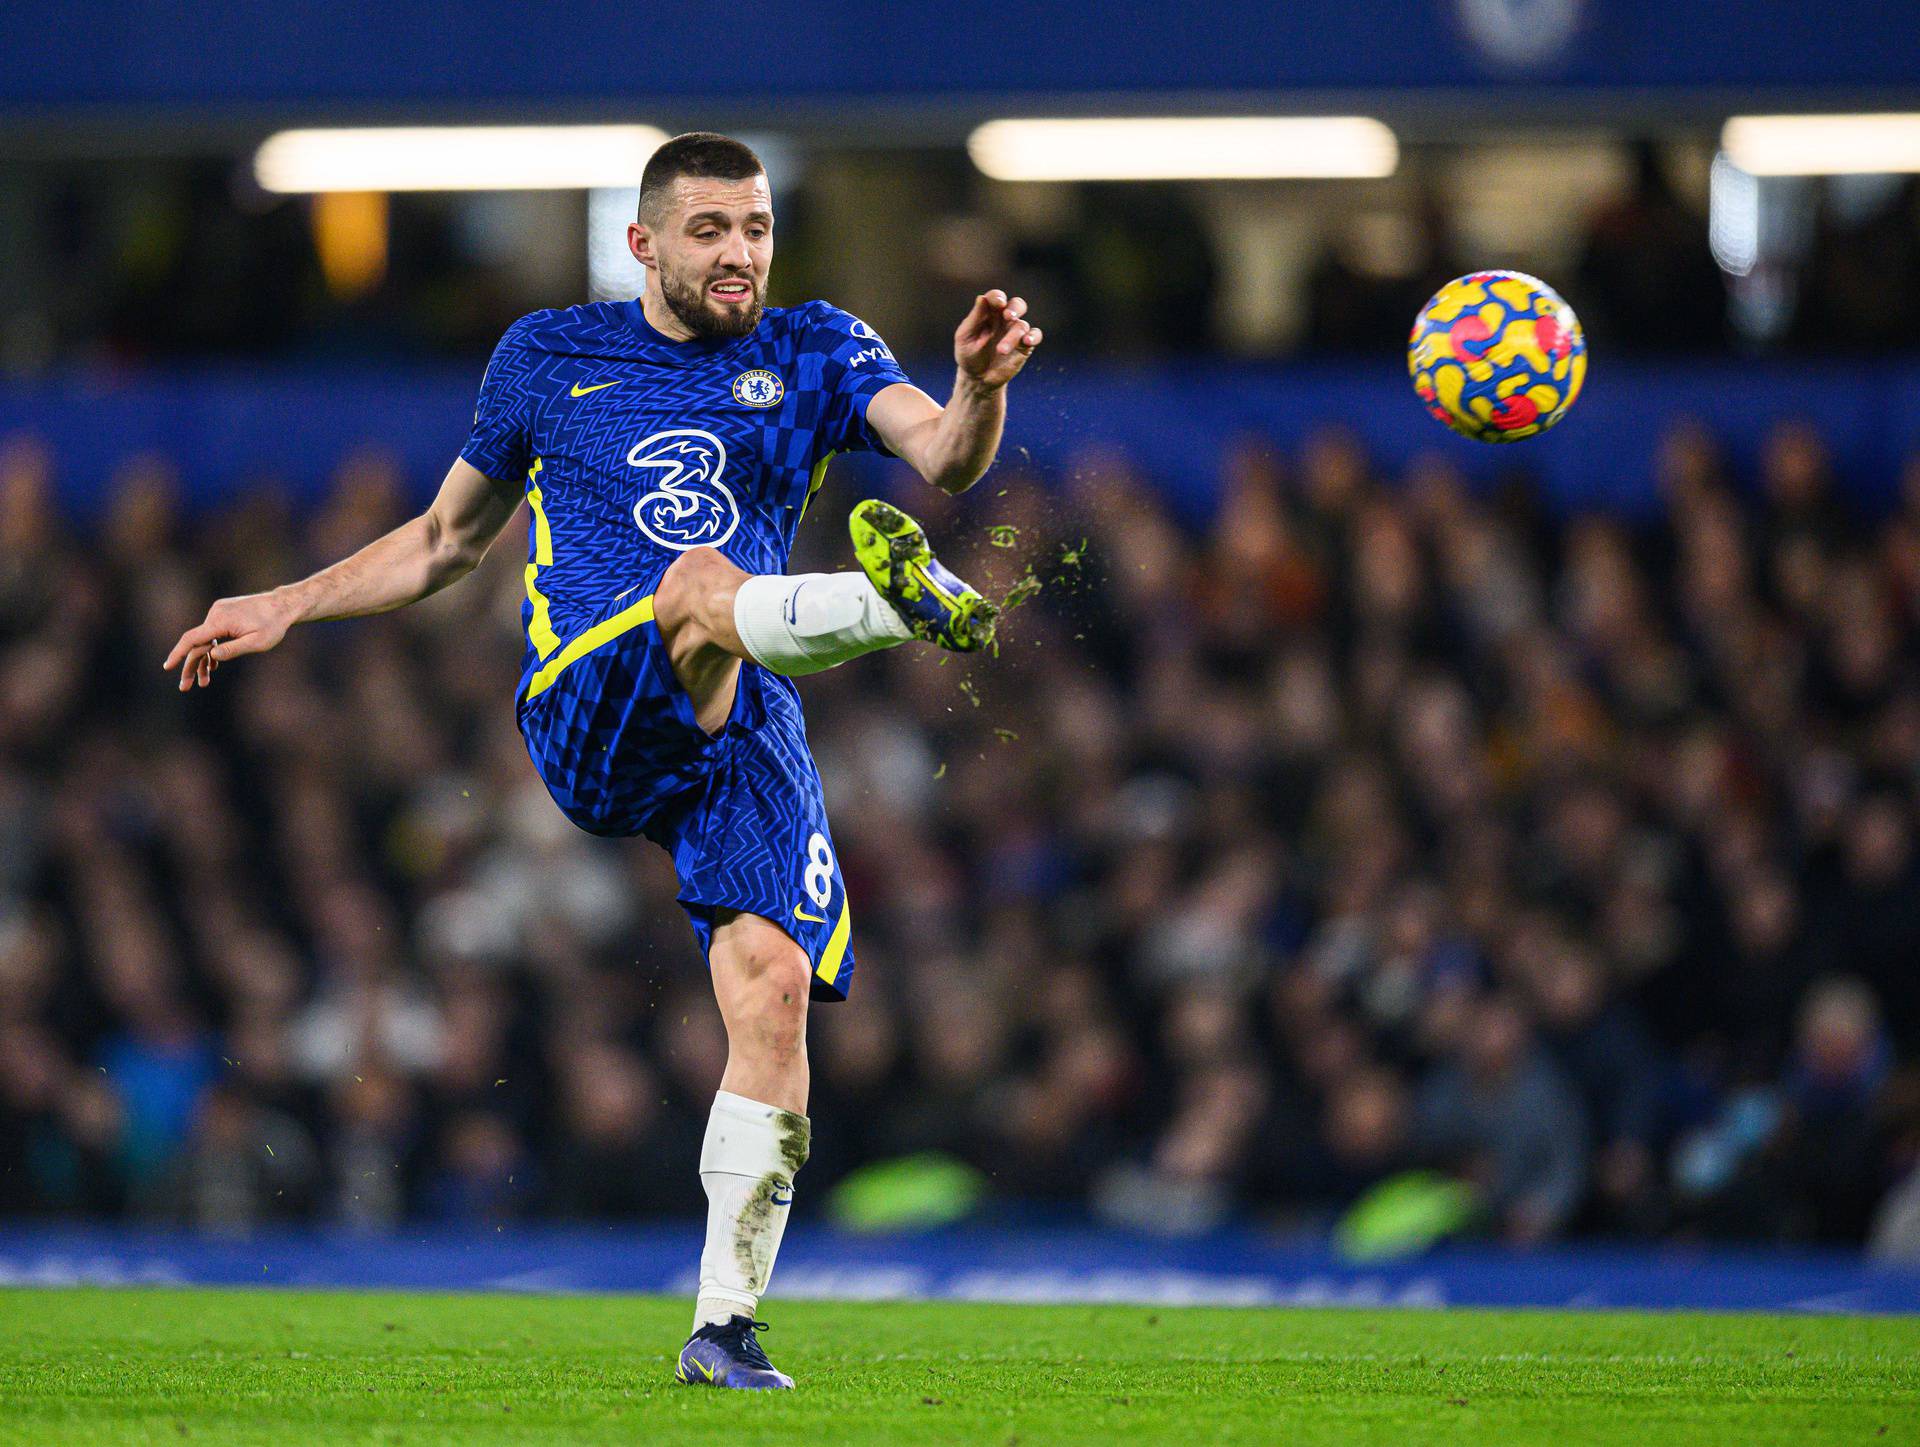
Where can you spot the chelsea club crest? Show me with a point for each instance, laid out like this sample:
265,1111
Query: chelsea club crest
758,388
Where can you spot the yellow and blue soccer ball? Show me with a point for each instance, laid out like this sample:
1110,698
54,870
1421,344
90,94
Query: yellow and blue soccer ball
1497,356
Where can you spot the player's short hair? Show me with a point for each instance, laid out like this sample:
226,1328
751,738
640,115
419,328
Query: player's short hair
704,154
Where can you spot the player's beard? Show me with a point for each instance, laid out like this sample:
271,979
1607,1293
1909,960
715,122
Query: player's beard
710,319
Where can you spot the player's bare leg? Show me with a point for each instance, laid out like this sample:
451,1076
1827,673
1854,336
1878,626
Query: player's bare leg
693,608
761,978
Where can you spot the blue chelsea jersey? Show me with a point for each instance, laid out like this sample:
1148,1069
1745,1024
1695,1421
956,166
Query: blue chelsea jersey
634,447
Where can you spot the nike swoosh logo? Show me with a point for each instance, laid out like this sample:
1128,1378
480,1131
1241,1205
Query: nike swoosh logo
799,913
580,391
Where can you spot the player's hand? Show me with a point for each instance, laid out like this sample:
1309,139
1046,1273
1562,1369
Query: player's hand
233,627
995,340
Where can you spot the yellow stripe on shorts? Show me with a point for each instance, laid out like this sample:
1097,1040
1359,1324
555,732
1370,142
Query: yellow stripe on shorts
836,949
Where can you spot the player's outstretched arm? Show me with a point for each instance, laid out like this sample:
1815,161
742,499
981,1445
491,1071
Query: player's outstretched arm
953,446
418,558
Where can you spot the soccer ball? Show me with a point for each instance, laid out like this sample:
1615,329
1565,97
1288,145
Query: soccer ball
1497,356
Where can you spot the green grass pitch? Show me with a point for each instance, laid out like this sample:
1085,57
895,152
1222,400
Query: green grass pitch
282,1367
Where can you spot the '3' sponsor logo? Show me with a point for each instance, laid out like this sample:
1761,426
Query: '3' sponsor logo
687,505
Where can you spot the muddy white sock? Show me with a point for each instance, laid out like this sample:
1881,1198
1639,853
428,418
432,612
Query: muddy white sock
804,622
747,1167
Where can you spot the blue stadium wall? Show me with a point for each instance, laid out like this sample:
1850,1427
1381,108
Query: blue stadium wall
973,1264
230,428
155,56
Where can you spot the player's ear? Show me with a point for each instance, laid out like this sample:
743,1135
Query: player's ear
640,243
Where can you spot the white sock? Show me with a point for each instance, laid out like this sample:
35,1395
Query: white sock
804,622
747,1167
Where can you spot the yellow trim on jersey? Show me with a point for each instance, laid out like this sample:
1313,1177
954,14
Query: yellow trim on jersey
836,949
813,483
605,631
540,626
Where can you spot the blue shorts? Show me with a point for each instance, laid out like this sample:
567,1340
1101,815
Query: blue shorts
613,737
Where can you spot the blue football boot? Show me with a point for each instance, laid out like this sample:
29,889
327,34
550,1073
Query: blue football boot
728,1355
937,606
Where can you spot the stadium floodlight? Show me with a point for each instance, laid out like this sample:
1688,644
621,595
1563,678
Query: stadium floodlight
1823,145
1185,148
455,158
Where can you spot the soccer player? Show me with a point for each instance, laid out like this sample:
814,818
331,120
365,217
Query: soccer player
667,448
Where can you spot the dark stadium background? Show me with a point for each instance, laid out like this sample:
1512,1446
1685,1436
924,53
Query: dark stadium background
1352,801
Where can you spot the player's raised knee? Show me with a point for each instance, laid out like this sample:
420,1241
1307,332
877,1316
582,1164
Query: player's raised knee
697,587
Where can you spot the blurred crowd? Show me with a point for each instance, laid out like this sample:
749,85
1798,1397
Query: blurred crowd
1388,825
